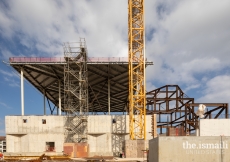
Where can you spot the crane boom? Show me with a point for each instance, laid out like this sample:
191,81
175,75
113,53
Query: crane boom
136,54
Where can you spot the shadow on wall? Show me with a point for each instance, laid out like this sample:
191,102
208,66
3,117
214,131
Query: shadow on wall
75,129
118,134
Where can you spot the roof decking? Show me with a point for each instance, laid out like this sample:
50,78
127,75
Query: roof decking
45,73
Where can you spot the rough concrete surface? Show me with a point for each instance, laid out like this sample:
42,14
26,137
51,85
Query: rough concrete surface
32,135
214,127
189,149
105,137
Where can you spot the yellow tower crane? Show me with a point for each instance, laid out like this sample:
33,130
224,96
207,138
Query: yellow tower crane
137,96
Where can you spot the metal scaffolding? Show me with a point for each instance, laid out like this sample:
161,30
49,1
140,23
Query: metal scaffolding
76,91
118,134
136,37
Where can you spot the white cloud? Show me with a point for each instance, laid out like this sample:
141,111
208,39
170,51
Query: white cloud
186,39
5,27
11,82
216,90
6,54
191,39
4,105
192,86
45,25
7,73
11,78
150,86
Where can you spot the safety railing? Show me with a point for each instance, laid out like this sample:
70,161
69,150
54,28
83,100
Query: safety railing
108,59
36,59
62,59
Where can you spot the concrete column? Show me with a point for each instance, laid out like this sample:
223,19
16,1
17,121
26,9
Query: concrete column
44,100
59,112
108,96
197,132
22,93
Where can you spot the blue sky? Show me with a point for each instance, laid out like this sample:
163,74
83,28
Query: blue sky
188,41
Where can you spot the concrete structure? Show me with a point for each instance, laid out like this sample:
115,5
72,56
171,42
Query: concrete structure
214,127
35,134
189,149
136,148
107,133
107,94
2,144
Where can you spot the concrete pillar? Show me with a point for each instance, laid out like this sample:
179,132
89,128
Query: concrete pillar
108,96
44,100
59,112
197,132
22,93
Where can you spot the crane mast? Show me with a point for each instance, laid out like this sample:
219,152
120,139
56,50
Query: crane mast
136,54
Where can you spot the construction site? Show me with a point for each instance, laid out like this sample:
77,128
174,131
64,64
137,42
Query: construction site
100,109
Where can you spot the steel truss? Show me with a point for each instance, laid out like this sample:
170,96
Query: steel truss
176,109
136,48
76,91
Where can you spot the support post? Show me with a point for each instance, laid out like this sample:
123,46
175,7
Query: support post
80,94
44,101
22,93
226,111
59,90
108,96
185,119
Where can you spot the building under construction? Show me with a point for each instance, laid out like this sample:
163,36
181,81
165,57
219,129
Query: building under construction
90,115
90,98
102,108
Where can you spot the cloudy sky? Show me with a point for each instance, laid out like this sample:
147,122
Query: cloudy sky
188,41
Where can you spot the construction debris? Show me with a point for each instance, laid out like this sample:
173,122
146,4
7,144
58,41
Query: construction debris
36,158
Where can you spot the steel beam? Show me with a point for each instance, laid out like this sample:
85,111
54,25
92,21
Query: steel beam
44,101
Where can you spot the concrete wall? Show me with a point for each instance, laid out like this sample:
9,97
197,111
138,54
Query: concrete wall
32,135
189,149
214,127
136,148
104,136
107,138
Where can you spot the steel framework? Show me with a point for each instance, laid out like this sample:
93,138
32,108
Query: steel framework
176,109
48,73
76,91
136,49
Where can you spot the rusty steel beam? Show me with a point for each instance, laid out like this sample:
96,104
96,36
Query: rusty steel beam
184,110
208,104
